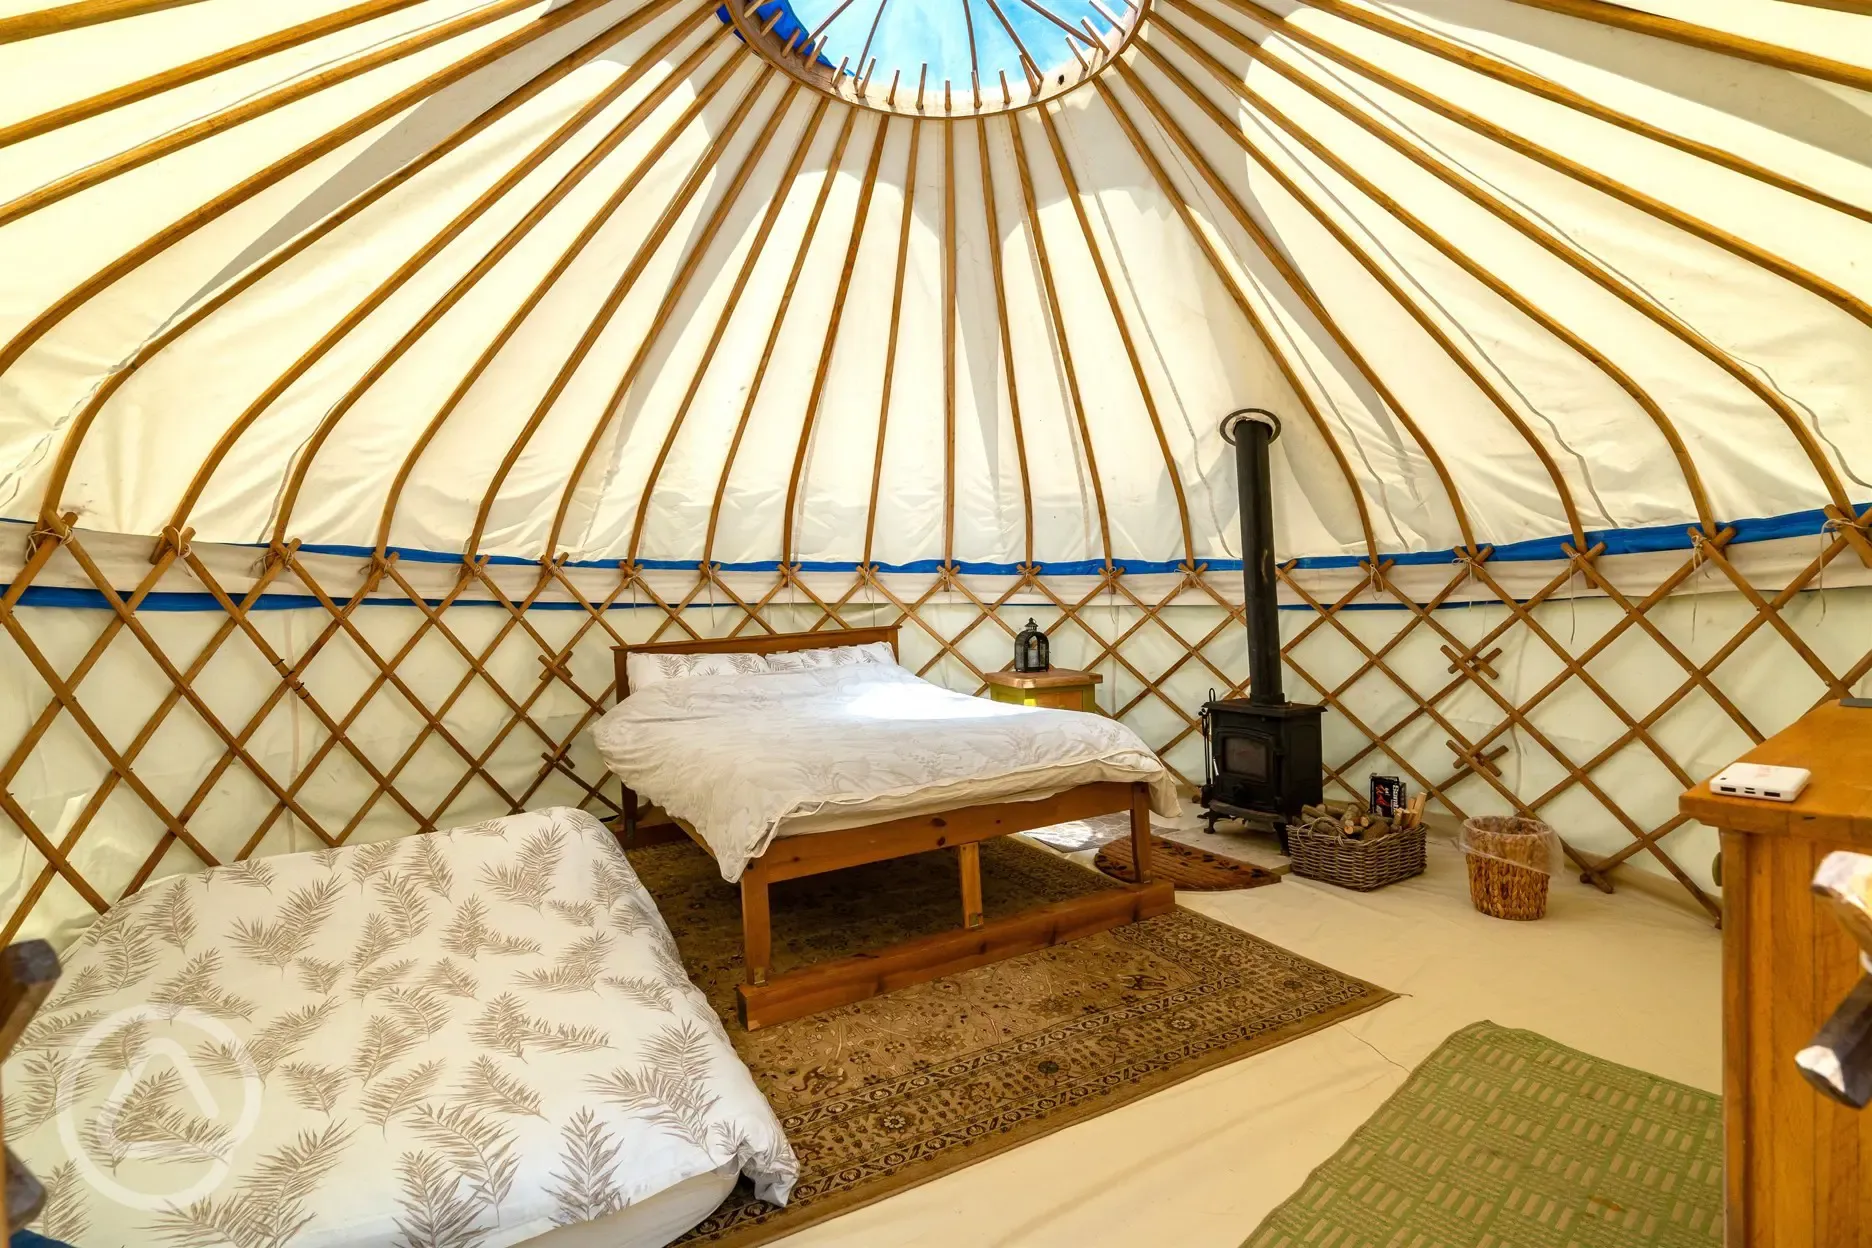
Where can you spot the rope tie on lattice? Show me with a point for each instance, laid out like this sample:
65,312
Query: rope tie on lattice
1702,552
709,570
1857,530
375,571
1836,523
1471,565
1375,583
1471,561
172,539
276,558
55,531
1107,587
1577,560
1857,533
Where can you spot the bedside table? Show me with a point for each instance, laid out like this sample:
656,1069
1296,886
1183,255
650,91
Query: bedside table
1062,689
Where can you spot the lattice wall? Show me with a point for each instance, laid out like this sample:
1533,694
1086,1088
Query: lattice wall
142,741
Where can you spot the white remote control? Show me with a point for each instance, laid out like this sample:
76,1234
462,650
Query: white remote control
1774,784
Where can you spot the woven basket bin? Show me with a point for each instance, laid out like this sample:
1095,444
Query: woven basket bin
1498,884
1362,865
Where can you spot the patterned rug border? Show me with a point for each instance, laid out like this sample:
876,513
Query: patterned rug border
797,1218
1481,1029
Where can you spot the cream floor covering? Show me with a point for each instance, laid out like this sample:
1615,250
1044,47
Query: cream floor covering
1630,977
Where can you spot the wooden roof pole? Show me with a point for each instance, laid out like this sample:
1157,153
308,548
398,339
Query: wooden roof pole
866,50
1057,321
1124,330
1861,7
891,337
968,22
831,17
1194,158
1268,343
94,403
291,163
1247,95
1708,39
775,206
1072,32
1554,92
1029,66
779,322
665,313
1566,253
245,111
997,269
1631,197
514,235
572,251
949,337
627,280
861,217
202,67
1317,306
39,23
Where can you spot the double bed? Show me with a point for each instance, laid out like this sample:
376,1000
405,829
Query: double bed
794,754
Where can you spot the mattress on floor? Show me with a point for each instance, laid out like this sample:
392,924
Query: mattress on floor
468,1037
653,1223
745,757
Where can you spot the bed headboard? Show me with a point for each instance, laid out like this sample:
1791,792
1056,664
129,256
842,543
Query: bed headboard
769,643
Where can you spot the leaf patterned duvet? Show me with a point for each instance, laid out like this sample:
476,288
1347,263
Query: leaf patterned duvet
461,1039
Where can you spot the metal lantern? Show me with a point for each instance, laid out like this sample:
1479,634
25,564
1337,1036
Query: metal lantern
1030,649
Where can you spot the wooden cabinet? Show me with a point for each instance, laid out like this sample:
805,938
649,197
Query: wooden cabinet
1798,1167
1061,689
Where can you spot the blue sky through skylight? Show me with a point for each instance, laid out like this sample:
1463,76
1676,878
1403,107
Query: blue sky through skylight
909,33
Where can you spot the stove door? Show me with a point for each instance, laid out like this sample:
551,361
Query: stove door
1249,758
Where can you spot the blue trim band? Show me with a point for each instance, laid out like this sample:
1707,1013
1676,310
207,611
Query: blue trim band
1638,541
1647,540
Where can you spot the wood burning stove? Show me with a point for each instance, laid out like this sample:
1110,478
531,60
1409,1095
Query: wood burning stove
1263,760
1263,752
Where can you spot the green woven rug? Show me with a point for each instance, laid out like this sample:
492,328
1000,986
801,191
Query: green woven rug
1504,1139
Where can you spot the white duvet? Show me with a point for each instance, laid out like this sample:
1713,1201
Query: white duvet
743,758
463,1039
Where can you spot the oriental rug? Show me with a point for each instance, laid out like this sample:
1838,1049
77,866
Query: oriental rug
1504,1137
892,1092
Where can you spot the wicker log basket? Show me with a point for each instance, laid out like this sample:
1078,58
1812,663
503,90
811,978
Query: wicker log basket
1319,850
1510,864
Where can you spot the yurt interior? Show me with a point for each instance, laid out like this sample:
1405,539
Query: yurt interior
936,623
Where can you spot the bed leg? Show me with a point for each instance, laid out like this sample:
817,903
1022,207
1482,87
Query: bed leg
756,926
629,820
970,857
1141,832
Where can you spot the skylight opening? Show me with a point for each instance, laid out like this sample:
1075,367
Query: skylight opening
937,58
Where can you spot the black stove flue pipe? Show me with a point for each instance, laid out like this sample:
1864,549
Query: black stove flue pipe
1251,431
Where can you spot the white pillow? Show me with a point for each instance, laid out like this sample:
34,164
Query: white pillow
646,670
831,656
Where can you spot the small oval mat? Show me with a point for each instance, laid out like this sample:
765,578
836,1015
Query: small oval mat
1183,865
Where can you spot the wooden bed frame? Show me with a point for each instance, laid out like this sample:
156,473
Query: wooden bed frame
766,999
